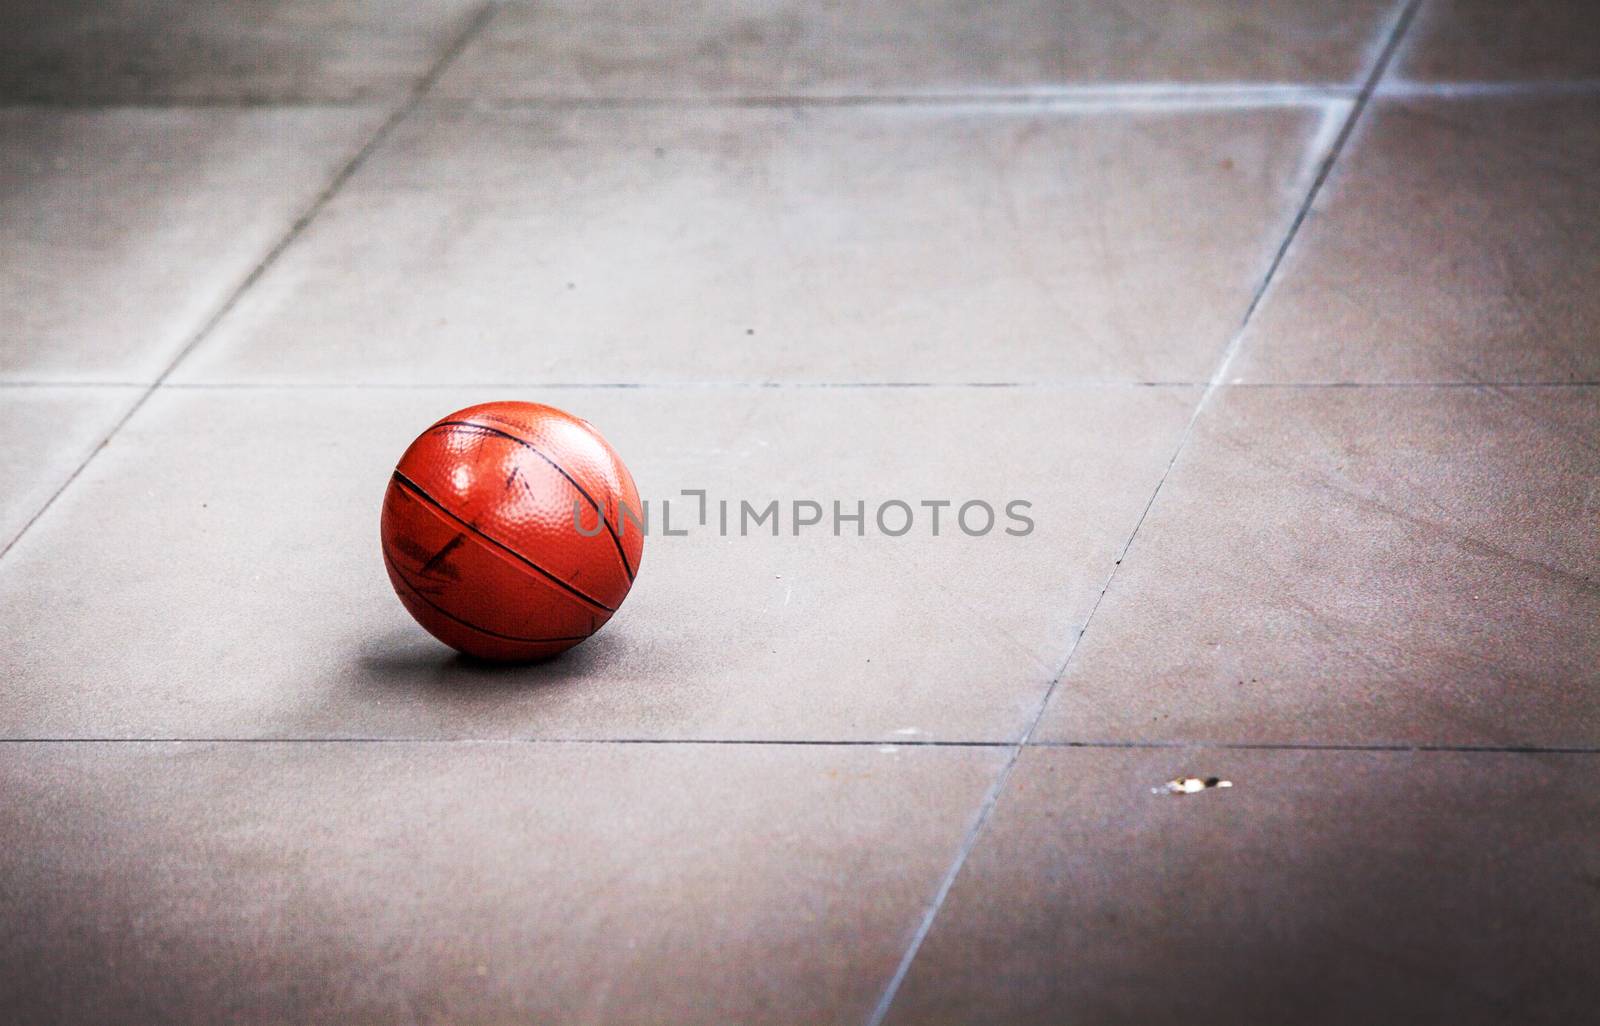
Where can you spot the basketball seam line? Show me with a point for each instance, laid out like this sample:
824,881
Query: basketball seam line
388,557
626,568
410,485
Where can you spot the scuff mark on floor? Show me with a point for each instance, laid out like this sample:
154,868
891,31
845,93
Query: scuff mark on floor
1191,785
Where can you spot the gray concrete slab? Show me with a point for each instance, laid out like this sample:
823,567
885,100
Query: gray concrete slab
127,229
467,883
1455,242
1322,887
45,434
718,48
239,592
891,244
1356,566
132,51
1485,41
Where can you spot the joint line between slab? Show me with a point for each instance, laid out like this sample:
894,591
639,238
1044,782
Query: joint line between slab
986,808
1178,96
414,740
1304,746
1042,384
691,742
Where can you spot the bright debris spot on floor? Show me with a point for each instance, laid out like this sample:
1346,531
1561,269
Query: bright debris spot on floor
1190,785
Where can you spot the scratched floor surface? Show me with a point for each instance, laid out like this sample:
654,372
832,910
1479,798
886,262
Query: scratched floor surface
1281,318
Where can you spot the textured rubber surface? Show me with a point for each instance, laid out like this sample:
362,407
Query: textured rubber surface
504,534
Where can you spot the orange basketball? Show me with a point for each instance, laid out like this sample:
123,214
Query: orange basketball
511,530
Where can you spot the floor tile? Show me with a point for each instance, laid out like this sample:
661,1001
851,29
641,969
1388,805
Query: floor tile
132,50
718,48
1488,40
45,433
465,883
1322,887
1411,566
240,591
1455,242
125,229
788,245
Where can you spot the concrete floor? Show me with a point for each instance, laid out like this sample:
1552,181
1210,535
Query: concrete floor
1283,316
